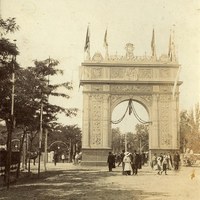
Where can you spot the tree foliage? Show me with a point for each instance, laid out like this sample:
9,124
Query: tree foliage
135,141
190,129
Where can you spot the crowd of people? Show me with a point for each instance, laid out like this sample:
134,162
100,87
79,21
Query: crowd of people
131,162
165,161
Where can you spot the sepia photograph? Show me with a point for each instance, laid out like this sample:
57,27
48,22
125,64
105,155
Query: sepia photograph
99,100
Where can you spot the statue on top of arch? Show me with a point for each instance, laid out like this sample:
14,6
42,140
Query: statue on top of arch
129,51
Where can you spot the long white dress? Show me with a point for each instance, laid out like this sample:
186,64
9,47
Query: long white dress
127,163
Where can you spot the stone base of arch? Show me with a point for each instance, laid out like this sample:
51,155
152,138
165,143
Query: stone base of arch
95,157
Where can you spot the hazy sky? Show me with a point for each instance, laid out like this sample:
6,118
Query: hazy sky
57,28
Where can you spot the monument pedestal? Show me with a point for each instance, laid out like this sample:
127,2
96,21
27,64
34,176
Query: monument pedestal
94,157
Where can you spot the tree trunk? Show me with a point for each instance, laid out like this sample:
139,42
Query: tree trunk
9,126
20,153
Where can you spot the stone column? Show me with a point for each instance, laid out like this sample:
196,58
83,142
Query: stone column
155,140
86,122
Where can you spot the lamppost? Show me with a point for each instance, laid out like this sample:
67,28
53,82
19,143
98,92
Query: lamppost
125,143
9,138
40,137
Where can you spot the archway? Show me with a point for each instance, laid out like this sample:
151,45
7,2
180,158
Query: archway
147,80
130,128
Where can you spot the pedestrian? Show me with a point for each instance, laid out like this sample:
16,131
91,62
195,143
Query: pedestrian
154,161
176,160
159,163
169,161
63,158
164,164
135,162
55,158
143,158
122,158
127,163
76,158
110,161
118,159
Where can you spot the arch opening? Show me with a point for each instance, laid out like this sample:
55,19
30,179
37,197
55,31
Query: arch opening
130,134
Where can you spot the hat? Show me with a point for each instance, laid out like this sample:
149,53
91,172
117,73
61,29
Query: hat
126,153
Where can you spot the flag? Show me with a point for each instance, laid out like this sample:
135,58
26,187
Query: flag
153,45
170,48
105,40
175,82
87,40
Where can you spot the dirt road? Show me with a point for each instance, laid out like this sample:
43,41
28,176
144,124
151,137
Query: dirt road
69,182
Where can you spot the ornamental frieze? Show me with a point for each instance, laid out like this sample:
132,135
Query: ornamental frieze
164,73
129,73
96,97
145,74
116,73
165,89
97,72
97,88
131,88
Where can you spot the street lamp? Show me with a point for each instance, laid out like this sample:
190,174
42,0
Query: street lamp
9,138
40,137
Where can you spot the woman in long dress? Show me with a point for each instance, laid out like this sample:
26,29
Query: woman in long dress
127,164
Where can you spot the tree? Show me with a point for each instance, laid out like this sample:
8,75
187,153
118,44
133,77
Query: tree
8,64
32,91
117,142
142,135
190,129
70,135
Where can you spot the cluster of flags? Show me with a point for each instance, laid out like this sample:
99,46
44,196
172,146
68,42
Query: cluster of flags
87,40
171,51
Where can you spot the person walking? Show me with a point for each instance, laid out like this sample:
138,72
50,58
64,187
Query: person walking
63,158
176,160
110,161
154,161
55,158
164,164
159,163
122,158
169,161
135,162
127,163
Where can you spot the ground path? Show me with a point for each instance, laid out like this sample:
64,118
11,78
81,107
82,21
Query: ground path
69,182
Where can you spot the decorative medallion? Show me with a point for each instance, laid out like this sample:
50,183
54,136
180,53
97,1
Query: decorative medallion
97,57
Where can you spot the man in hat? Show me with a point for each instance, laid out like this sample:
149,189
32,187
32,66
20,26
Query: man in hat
110,161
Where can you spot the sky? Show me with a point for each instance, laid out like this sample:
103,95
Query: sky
57,28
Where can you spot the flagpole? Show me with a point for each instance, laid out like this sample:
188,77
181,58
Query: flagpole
87,44
106,45
175,82
153,45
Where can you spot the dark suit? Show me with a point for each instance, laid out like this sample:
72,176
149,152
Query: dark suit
111,161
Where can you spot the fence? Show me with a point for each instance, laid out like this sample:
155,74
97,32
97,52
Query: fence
15,158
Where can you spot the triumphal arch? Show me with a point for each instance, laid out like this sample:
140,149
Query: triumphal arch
110,80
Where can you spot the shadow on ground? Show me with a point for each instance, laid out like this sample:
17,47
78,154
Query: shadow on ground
72,185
